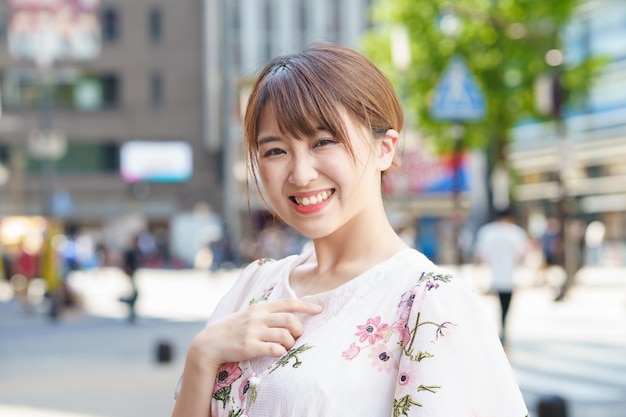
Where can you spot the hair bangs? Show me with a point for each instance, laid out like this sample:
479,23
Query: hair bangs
299,111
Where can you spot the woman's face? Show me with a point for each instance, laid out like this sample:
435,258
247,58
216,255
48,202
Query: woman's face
314,184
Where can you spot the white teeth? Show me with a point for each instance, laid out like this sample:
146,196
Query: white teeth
314,199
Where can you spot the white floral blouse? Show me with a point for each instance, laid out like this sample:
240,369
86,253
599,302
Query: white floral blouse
402,339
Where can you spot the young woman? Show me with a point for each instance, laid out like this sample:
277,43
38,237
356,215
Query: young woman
359,324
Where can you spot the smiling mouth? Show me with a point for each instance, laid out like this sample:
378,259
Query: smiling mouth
313,199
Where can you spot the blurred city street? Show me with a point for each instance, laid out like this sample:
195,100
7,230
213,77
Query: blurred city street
125,158
93,363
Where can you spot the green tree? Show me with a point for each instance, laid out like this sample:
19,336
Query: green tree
504,43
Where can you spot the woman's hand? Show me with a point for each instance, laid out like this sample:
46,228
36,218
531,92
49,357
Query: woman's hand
267,329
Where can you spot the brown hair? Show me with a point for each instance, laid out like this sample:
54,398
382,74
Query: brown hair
308,89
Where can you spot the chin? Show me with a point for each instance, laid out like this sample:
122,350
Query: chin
312,233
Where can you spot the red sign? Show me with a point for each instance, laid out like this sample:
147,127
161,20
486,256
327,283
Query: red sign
421,172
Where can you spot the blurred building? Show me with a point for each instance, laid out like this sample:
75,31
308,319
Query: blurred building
154,82
254,32
152,123
148,130
587,162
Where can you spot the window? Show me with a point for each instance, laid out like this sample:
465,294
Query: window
110,90
4,154
110,25
156,89
83,158
303,20
268,24
336,20
20,88
90,158
155,25
369,14
3,20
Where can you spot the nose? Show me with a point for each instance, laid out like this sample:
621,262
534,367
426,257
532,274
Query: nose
302,170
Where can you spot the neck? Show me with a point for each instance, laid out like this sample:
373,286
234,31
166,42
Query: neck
363,243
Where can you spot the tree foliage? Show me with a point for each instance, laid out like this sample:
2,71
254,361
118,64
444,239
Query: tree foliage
504,43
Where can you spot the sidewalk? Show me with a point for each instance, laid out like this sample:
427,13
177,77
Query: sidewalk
95,364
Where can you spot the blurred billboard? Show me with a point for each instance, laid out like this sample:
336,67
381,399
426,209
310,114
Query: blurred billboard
45,31
422,172
154,161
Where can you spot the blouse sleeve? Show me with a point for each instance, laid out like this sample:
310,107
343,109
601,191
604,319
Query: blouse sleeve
452,362
231,302
236,297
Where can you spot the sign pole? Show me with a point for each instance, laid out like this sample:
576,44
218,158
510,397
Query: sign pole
457,210
457,99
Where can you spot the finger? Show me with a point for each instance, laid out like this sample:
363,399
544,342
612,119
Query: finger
278,335
286,321
273,349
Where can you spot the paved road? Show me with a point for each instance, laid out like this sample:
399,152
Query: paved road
93,363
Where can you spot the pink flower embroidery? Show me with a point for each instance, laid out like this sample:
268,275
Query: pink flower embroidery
403,378
243,389
226,375
372,331
264,296
430,285
352,352
387,332
405,305
381,358
403,329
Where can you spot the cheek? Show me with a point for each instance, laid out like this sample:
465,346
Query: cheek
270,178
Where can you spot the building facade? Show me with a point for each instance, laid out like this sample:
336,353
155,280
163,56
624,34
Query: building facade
155,81
583,165
167,72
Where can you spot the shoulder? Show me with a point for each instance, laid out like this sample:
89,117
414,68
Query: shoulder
264,266
412,270
411,258
259,277
424,276
256,283
413,262
486,230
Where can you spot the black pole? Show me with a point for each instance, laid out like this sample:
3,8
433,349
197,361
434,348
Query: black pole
45,130
567,258
457,214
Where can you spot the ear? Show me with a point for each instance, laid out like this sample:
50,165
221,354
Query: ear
386,149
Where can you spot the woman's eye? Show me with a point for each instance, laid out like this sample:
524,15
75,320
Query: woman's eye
325,142
273,152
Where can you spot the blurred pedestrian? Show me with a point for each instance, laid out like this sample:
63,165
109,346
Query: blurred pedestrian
131,262
358,323
27,263
502,246
552,243
5,264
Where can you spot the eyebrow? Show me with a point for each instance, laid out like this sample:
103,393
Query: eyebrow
267,139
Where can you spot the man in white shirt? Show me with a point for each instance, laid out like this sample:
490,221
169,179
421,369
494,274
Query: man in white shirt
502,245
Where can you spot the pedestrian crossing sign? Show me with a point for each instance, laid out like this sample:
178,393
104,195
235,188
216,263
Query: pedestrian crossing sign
457,96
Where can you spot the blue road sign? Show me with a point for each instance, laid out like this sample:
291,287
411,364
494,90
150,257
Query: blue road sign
458,97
